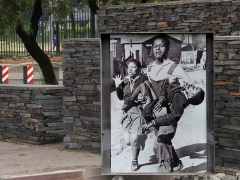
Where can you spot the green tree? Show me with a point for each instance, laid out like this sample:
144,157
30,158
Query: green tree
22,17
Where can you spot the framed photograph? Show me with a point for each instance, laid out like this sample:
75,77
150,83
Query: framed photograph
157,103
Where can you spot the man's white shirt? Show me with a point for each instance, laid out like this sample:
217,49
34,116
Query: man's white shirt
160,71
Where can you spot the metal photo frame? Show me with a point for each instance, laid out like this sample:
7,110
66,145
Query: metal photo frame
194,136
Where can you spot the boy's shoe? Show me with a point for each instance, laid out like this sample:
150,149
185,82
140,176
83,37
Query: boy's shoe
177,166
135,166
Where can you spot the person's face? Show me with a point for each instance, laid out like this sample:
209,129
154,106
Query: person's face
191,90
132,69
159,48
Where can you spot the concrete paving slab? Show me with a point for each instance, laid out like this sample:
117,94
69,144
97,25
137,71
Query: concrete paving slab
25,159
50,176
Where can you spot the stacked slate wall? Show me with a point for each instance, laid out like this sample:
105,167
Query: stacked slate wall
81,77
221,17
227,101
31,114
70,113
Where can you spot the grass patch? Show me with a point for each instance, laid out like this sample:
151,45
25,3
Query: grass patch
16,165
22,154
41,78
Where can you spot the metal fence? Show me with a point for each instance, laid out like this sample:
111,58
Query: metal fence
84,26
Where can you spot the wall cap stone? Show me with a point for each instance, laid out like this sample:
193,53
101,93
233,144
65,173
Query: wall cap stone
231,38
80,39
31,86
165,4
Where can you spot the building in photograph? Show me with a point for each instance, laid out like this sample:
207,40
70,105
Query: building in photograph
125,47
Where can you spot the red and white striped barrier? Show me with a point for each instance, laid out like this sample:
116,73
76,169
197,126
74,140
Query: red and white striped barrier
5,74
30,74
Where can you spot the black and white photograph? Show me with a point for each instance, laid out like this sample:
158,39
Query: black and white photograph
158,103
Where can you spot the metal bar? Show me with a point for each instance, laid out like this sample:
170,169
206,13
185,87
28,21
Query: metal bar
105,104
69,29
1,74
57,35
76,22
6,45
42,30
50,34
14,44
1,43
24,74
82,24
88,24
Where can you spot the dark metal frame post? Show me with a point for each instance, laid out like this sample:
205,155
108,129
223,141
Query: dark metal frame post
210,102
105,104
58,38
24,74
1,74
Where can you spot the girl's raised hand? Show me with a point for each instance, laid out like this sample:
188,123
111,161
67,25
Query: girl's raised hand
118,80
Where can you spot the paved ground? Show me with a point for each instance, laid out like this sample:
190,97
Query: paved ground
51,162
25,159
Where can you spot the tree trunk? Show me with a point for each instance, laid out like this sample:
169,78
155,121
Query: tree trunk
29,40
40,57
93,6
92,25
72,25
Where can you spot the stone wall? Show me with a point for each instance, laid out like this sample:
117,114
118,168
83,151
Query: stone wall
219,16
81,114
227,101
40,114
31,114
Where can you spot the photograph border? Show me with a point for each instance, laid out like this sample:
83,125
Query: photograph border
106,103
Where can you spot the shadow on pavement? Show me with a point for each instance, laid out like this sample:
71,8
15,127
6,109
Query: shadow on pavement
191,150
153,160
198,168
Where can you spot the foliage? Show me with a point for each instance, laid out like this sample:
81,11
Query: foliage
15,12
62,8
